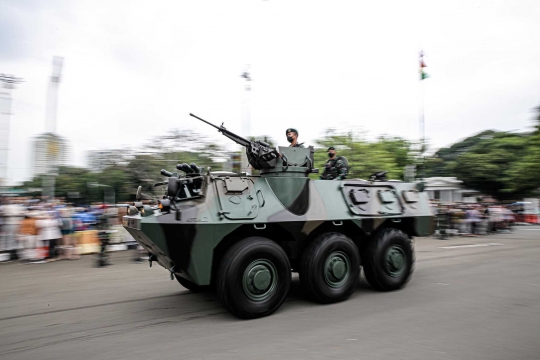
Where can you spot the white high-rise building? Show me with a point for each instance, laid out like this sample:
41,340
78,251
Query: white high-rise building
7,84
49,152
5,114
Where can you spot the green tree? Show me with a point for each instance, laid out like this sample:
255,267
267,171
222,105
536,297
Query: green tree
501,164
437,165
125,170
485,162
524,172
365,157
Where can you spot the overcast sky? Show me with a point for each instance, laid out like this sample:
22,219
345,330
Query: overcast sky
134,70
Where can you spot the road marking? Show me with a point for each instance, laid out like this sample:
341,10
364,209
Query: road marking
352,339
442,284
530,229
469,246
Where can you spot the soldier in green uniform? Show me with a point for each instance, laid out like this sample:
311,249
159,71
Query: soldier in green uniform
292,137
336,166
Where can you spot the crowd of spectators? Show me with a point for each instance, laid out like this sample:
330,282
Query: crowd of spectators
472,219
35,231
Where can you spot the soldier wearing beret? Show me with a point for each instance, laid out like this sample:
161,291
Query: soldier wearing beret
292,137
336,166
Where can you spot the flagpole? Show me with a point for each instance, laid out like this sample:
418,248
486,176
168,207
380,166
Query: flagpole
422,116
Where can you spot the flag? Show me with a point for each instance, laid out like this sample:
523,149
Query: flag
423,74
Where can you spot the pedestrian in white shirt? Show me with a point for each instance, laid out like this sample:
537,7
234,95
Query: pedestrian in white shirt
50,234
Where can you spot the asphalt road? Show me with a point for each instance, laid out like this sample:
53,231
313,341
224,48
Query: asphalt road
464,302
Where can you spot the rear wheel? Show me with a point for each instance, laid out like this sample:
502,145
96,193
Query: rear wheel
388,260
330,268
254,278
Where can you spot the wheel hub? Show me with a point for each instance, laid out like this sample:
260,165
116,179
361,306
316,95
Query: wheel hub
260,280
337,269
395,261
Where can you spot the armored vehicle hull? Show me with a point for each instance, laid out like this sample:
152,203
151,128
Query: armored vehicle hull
244,235
291,213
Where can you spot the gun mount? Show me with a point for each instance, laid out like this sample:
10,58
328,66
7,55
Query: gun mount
183,187
269,160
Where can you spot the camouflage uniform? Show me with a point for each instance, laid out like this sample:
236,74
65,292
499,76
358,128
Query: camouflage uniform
335,169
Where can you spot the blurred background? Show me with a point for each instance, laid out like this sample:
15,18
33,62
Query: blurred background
95,96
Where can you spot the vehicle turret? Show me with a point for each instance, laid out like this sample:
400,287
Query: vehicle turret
287,161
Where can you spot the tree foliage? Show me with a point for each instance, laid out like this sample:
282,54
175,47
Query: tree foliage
365,157
125,170
501,164
525,172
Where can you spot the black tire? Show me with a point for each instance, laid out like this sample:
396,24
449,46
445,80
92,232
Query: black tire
236,279
388,260
191,286
318,273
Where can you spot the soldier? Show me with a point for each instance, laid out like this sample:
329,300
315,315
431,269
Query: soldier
292,137
336,166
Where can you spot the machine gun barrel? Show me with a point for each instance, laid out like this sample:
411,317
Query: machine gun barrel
236,138
259,153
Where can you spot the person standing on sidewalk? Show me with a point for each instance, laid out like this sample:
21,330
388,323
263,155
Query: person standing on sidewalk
50,234
473,218
28,237
69,243
13,214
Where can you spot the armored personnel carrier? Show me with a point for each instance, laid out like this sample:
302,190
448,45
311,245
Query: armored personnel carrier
244,235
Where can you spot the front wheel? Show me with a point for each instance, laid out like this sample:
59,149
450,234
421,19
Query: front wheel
330,268
254,278
388,260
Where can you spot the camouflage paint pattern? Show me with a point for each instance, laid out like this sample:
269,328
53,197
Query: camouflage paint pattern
282,204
